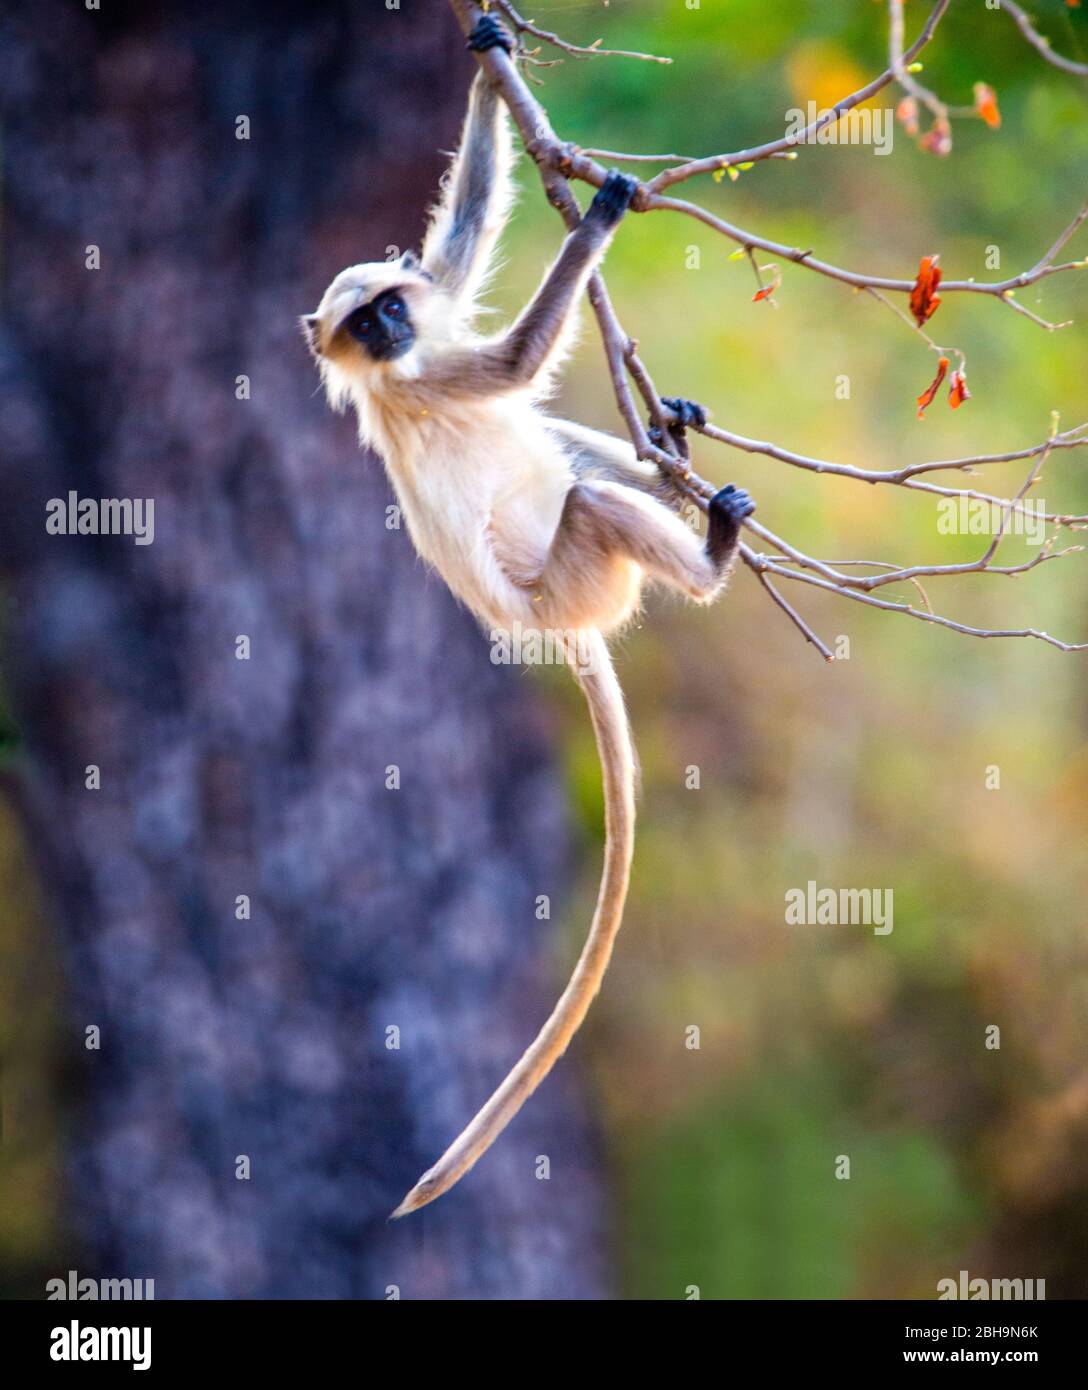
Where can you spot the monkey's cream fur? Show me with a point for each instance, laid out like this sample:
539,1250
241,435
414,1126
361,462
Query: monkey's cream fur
529,520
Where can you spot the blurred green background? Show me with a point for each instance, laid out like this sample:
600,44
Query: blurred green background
817,1042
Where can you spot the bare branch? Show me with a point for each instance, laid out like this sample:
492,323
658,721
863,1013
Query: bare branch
1000,289
1041,44
1070,439
900,64
789,610
635,158
762,561
668,177
593,50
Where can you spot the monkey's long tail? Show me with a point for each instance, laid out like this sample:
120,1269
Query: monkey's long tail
606,708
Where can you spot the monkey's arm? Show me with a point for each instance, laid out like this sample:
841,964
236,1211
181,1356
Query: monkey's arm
521,354
459,243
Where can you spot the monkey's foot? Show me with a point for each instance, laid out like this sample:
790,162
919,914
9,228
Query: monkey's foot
731,505
489,33
613,198
687,413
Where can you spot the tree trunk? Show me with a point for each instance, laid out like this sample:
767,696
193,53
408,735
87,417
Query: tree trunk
373,909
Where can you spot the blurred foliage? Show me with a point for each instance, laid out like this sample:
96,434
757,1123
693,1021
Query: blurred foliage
745,1171
821,1041
817,1042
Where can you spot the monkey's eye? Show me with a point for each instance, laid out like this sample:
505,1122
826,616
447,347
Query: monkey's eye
395,307
361,324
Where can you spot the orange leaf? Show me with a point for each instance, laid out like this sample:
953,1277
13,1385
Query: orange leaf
926,398
924,297
986,104
957,391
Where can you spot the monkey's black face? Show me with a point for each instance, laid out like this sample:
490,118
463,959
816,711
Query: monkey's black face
384,327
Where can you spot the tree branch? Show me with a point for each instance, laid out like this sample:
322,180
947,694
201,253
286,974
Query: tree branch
1041,44
558,162
788,143
593,50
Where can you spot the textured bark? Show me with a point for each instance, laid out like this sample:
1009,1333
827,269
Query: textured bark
371,907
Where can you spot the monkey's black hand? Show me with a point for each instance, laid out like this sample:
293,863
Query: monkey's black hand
731,504
613,198
489,33
686,412
728,508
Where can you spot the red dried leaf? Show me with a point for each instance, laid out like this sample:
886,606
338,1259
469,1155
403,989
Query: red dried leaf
938,139
766,292
924,297
957,390
926,398
986,104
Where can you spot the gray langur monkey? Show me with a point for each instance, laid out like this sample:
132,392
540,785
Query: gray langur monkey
530,520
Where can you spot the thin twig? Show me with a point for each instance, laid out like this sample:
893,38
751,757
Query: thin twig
789,142
791,613
899,63
1000,289
593,50
1041,44
622,158
763,562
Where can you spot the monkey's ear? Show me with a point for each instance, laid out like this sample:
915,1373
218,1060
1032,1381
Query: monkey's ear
411,261
311,331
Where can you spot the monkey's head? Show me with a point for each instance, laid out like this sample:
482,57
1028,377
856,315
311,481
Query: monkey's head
369,325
